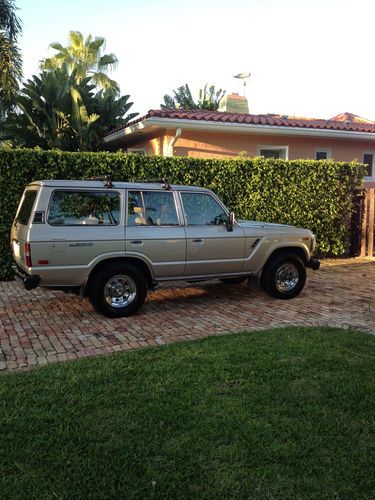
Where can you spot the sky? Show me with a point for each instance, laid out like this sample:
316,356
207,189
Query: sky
310,58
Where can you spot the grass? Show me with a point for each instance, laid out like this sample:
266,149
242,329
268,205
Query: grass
286,413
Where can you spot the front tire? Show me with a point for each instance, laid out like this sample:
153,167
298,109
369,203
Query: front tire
284,276
117,290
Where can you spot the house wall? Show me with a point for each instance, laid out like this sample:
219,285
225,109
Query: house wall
220,145
153,146
197,144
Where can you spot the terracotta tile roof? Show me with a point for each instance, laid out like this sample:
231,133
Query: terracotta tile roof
344,121
350,118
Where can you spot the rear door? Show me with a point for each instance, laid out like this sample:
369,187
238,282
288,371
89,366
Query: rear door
82,226
21,224
211,248
154,231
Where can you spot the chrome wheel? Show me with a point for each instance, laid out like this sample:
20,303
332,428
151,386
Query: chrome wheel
120,291
287,277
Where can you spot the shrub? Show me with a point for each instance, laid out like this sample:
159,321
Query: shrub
314,194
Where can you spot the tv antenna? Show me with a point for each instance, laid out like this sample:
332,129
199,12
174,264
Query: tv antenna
243,77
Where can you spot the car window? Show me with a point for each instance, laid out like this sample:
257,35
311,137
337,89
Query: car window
203,210
151,208
24,212
92,208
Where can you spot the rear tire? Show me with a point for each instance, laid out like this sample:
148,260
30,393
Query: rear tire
117,290
284,276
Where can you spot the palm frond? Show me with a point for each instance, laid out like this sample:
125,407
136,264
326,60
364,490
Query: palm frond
108,61
75,39
9,22
10,70
103,81
97,44
57,46
169,102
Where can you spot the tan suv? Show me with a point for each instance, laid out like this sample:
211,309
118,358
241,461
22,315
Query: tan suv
113,241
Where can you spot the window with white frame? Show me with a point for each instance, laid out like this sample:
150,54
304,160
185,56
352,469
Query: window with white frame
273,151
322,154
138,151
369,160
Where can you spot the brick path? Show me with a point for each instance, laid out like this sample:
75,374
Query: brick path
41,327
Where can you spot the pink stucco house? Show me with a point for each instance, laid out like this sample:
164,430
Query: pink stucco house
223,134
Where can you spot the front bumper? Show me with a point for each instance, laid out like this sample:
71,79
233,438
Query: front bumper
313,264
28,281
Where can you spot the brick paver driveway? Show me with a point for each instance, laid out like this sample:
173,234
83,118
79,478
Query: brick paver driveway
42,326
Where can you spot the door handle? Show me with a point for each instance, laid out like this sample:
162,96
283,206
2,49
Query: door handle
197,240
136,242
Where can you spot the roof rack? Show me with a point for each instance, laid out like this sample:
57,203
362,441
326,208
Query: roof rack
105,178
109,184
164,182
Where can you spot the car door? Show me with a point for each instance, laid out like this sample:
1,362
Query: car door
210,247
81,226
154,231
21,226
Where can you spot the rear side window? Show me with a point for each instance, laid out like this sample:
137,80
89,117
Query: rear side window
76,208
151,208
24,212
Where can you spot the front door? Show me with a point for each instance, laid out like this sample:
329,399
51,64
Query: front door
210,247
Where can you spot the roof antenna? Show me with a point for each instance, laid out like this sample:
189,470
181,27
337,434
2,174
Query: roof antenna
243,77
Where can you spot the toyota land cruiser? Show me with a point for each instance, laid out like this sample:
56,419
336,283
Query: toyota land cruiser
113,241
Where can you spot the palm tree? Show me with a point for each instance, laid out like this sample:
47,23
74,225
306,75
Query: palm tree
209,98
10,60
182,99
46,106
86,57
57,112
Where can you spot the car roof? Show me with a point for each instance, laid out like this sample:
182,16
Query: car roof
90,184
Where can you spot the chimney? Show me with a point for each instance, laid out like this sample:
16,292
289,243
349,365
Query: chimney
234,103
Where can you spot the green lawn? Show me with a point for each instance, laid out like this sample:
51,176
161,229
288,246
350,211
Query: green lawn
286,413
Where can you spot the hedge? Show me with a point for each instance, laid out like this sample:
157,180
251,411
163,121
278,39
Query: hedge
314,194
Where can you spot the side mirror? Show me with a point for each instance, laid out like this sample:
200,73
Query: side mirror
231,221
